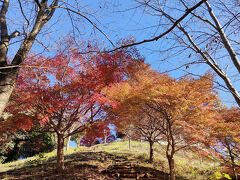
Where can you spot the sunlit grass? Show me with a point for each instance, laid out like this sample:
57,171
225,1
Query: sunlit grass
41,158
188,164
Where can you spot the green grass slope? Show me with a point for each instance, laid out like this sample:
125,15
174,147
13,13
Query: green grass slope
105,161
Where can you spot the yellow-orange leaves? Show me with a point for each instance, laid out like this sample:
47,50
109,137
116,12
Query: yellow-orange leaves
191,103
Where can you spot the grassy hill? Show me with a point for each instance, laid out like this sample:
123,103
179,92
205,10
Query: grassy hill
110,161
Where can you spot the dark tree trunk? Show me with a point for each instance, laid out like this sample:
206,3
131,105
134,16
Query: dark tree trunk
151,151
235,172
171,165
60,153
229,148
233,166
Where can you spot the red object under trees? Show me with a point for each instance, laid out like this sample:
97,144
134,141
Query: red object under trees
96,133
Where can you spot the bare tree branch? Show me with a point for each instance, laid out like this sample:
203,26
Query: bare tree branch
225,41
188,11
52,9
38,4
93,24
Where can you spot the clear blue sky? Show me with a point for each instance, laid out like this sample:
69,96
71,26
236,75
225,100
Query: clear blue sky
118,19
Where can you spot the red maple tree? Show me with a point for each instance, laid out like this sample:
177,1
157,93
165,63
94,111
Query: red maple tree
64,92
96,133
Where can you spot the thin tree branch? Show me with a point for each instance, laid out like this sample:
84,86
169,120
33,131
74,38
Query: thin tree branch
93,24
188,11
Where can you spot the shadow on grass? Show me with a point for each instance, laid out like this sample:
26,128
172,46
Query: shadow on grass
83,165
76,167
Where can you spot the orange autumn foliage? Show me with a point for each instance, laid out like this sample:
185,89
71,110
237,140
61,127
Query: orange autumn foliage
179,111
191,103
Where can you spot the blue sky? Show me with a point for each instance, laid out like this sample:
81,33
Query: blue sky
118,19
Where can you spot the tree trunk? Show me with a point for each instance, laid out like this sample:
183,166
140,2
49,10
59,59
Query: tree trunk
233,166
129,143
229,148
199,155
151,151
7,83
105,139
68,143
171,167
105,136
8,75
235,172
55,140
78,142
60,153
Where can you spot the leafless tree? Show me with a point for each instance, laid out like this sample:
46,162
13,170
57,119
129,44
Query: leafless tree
29,27
197,32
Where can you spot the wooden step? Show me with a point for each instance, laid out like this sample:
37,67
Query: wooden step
126,171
